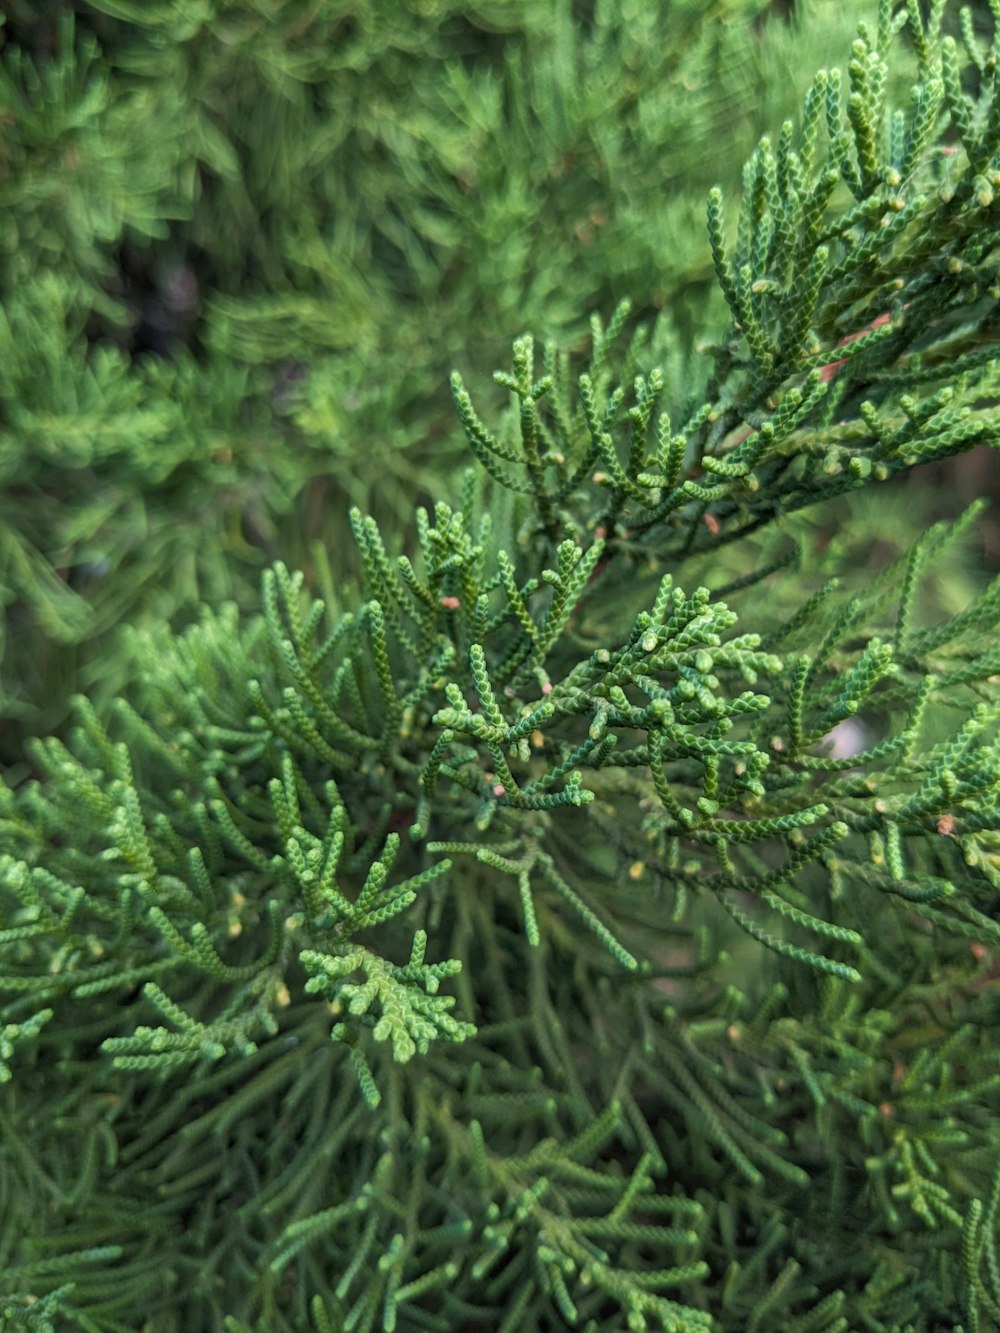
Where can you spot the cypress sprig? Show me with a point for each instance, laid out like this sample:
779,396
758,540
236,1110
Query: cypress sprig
14,1034
408,1018
709,878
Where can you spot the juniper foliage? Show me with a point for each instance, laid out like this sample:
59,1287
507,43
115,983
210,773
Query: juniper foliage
372,964
216,221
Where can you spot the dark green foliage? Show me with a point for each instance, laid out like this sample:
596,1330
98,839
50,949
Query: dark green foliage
592,920
242,246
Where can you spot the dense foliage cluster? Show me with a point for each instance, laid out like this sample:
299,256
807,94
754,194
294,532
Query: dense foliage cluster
242,246
588,917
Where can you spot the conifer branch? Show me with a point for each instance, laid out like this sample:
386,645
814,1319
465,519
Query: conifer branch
611,681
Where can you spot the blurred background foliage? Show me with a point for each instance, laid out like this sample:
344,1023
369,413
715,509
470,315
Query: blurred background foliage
242,243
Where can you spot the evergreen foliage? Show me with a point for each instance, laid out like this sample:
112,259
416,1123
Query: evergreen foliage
522,940
219,217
